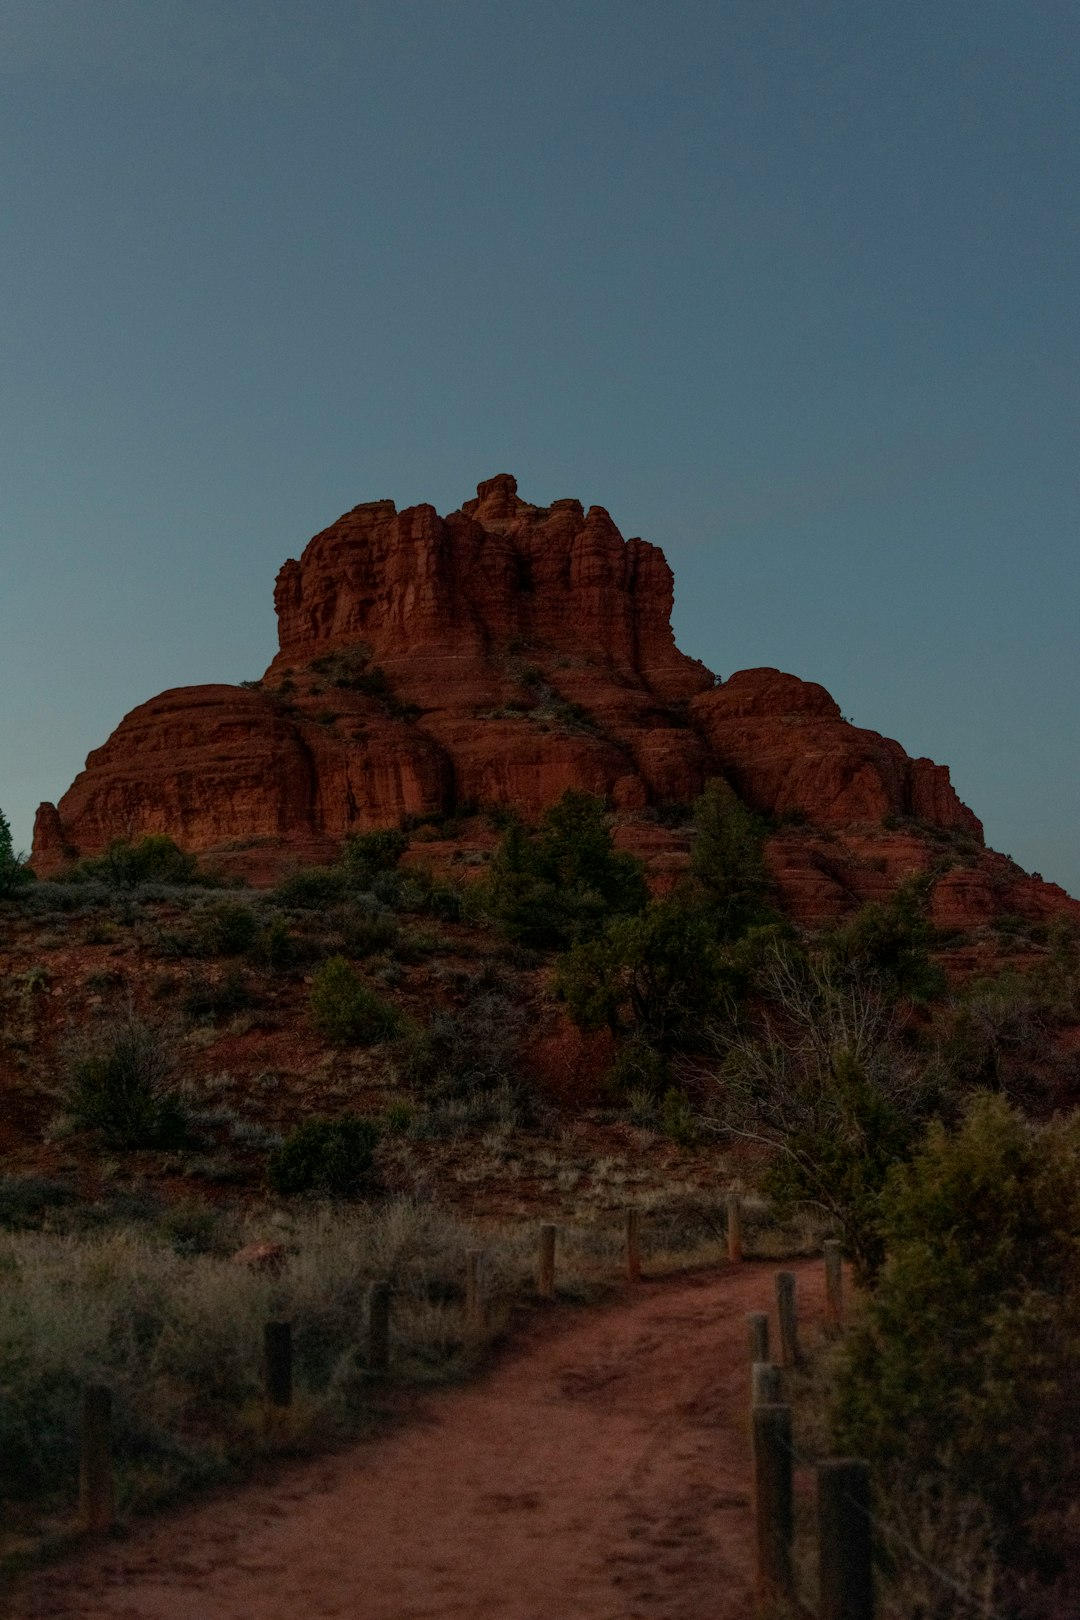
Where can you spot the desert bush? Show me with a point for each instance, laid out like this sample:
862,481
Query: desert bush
177,1334
1000,1037
638,1069
364,855
69,899
122,1083
312,888
369,933
332,1157
1056,980
210,999
345,1010
156,858
961,1370
191,1228
274,945
465,1050
821,1073
678,1119
225,928
27,1201
503,1107
445,901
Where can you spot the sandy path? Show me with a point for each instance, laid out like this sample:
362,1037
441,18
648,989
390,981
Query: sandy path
599,1472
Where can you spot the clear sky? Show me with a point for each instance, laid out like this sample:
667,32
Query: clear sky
789,286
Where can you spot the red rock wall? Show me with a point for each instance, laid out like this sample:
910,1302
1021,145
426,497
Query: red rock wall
788,751
523,650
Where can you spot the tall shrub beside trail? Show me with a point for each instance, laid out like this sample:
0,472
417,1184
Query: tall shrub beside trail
960,1375
819,1072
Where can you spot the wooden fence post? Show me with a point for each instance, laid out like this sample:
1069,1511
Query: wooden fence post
277,1363
764,1384
97,1499
785,1310
474,1312
545,1285
633,1245
757,1329
834,1286
734,1227
773,1500
379,1328
846,1576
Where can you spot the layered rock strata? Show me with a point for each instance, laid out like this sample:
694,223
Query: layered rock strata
494,658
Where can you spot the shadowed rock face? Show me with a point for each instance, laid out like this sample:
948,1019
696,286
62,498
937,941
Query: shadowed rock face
496,657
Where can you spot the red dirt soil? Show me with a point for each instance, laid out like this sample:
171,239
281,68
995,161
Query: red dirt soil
600,1471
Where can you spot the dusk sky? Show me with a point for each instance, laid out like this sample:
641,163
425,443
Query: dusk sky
789,286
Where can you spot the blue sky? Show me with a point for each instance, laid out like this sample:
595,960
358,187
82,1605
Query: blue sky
791,288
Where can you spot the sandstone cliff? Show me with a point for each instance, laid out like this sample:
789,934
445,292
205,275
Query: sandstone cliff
495,657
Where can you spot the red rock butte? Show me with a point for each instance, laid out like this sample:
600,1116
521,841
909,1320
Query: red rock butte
497,657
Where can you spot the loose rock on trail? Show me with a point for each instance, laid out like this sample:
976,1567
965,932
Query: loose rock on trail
600,1471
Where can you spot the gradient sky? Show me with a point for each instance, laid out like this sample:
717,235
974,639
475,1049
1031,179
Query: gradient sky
789,286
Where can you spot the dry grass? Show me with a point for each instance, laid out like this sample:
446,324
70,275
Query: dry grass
178,1337
160,1312
932,1549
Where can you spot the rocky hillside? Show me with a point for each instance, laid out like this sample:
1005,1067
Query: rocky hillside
491,659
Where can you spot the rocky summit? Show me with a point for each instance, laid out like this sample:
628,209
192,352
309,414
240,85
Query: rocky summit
493,658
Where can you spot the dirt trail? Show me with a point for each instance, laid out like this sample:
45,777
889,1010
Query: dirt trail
600,1472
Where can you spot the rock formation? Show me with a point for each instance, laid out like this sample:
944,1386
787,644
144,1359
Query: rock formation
496,657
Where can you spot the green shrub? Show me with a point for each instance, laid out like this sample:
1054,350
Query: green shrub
370,933
333,1157
563,883
191,1227
345,1010
638,1069
274,944
465,1050
365,854
27,1201
961,1371
372,682
212,999
312,888
677,1118
1001,1038
445,901
156,858
399,1116
123,1087
655,974
226,928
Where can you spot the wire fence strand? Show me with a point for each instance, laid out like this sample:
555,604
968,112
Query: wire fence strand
889,1532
